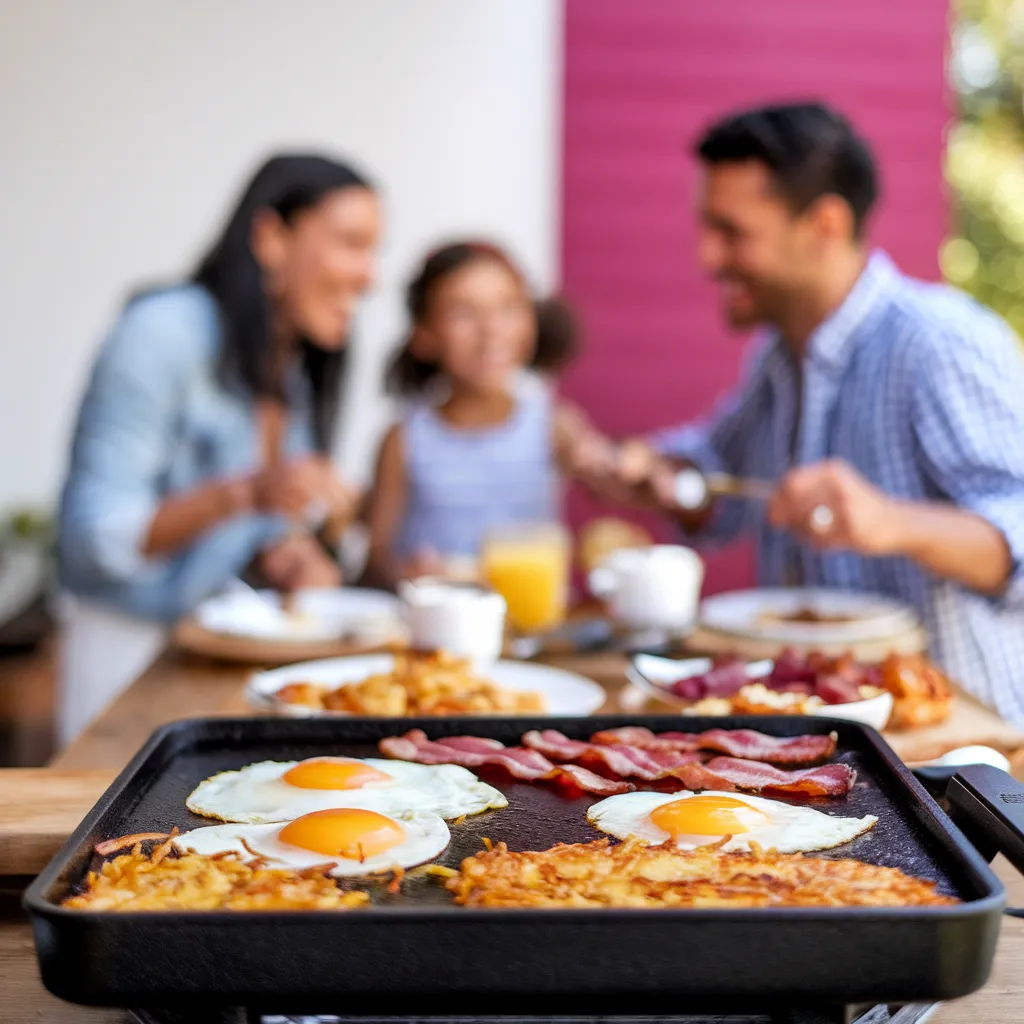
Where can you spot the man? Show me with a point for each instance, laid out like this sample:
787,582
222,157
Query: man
890,411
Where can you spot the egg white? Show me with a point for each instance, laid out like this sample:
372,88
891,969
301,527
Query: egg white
258,793
791,829
426,836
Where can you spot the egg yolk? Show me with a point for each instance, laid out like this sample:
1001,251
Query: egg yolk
347,832
708,816
333,773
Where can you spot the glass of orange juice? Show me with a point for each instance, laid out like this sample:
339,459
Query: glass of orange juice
529,566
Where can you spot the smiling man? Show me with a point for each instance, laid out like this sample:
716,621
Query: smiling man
890,411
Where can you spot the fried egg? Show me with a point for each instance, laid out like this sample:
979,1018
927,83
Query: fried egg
690,820
283,790
356,840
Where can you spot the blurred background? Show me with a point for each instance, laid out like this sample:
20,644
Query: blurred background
559,128
984,166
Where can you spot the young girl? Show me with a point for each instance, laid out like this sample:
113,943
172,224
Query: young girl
482,445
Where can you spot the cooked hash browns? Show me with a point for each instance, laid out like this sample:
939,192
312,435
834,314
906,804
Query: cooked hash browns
162,880
419,684
633,874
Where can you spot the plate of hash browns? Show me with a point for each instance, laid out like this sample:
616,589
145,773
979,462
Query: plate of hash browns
411,684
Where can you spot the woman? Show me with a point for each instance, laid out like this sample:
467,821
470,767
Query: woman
201,444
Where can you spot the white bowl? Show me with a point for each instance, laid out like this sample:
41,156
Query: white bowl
653,675
875,711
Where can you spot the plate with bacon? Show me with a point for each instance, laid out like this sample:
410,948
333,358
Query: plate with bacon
813,684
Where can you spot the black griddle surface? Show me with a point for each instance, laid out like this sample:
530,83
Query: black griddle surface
418,954
539,814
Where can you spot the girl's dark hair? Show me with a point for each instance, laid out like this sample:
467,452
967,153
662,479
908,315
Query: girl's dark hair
558,336
286,184
556,343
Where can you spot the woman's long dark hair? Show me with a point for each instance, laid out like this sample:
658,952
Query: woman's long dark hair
286,184
557,334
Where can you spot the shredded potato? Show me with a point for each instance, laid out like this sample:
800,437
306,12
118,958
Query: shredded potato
419,684
162,880
758,699
633,874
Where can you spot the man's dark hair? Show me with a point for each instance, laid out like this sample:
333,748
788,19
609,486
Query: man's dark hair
810,150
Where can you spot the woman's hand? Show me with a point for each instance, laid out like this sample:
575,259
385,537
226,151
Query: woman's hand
297,563
307,489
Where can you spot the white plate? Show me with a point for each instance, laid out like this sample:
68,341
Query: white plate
327,614
565,693
873,616
653,676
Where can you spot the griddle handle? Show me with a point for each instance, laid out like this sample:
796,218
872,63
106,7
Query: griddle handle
936,778
988,806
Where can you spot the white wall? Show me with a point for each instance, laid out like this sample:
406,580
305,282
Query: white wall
126,127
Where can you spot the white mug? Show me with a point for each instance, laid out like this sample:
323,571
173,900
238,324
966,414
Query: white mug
462,619
656,588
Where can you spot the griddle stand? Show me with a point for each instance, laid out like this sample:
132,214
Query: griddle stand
820,1014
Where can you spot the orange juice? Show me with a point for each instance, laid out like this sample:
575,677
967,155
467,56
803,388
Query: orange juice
530,569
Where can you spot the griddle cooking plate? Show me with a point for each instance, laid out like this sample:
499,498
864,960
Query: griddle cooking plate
419,953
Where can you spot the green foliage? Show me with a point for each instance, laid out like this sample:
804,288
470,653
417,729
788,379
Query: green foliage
985,155
27,525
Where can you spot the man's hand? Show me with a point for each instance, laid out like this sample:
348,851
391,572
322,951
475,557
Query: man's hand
830,505
833,506
299,562
624,474
635,461
650,479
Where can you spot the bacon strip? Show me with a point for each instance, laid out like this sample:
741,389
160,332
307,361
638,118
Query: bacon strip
620,759
720,773
475,752
744,743
588,781
730,773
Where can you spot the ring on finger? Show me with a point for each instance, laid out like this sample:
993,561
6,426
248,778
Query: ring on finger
822,519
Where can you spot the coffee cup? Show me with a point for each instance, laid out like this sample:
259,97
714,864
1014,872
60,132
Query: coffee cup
651,588
465,620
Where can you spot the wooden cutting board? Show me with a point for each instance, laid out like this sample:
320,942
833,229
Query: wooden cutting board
39,809
969,723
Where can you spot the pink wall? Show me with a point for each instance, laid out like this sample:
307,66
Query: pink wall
641,78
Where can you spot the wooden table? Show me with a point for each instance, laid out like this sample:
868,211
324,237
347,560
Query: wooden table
179,687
